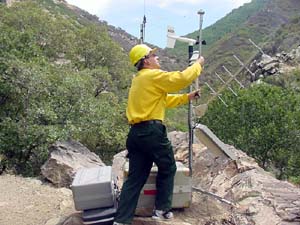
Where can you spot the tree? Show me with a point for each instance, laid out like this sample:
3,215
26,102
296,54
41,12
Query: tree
264,122
43,100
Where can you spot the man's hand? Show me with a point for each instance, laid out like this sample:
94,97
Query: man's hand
194,95
200,60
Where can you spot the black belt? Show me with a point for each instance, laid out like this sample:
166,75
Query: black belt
147,122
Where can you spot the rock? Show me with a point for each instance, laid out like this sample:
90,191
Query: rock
52,221
270,68
3,162
73,219
266,59
65,191
3,204
178,138
65,204
262,198
280,64
65,159
117,167
180,145
149,221
255,196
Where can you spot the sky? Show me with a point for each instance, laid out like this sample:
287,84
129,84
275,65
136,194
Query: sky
180,14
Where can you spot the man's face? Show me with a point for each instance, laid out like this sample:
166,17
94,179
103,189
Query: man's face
151,61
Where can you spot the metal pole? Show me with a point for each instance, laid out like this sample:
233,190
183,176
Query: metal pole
190,113
198,189
190,121
201,14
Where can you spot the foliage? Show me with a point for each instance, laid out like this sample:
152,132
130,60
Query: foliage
58,80
264,122
290,80
177,118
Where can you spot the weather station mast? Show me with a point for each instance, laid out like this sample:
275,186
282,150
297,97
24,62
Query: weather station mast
193,55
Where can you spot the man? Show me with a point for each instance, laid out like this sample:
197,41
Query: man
147,140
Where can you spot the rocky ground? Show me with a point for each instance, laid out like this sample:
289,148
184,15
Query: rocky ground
26,201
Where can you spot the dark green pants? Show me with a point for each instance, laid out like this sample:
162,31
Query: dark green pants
147,144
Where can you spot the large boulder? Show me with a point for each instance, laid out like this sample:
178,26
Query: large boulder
65,159
280,64
252,195
230,191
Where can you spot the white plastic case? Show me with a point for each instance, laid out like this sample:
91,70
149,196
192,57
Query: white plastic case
182,192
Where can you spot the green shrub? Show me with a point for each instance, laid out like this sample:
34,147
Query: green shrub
58,80
264,122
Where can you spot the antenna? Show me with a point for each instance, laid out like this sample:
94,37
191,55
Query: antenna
143,26
226,84
216,94
233,76
243,65
142,31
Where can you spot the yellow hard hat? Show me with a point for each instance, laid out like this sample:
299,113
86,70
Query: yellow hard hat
138,52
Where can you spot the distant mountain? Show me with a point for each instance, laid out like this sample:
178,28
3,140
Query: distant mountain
229,24
271,24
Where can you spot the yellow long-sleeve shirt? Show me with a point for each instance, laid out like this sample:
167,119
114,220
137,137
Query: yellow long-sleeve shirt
148,96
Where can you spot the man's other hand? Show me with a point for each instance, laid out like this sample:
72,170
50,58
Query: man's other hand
194,95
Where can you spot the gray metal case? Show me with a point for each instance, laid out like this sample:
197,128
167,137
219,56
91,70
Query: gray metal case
93,188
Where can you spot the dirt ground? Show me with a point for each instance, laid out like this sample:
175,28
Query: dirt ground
28,201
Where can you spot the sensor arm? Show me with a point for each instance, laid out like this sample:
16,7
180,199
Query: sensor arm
172,38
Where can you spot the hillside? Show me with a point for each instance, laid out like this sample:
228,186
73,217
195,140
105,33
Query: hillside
271,24
223,27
